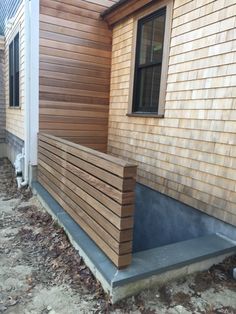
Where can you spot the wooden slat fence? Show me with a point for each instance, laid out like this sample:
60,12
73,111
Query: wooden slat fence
96,189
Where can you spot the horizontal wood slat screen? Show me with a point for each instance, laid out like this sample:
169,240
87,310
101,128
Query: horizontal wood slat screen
74,71
96,189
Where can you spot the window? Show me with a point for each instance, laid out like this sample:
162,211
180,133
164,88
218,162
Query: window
148,65
14,75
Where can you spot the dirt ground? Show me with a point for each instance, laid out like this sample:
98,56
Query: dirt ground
40,273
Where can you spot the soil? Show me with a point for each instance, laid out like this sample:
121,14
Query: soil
41,273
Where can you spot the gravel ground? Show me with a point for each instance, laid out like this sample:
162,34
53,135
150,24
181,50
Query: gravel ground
40,273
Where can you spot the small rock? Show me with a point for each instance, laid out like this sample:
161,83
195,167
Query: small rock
180,309
2,308
234,273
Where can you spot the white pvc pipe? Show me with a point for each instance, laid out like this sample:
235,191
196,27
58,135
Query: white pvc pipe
19,182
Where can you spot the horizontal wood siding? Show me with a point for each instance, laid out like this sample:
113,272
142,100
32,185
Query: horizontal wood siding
75,57
189,155
96,189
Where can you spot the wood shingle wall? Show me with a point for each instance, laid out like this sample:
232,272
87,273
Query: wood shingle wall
75,57
189,155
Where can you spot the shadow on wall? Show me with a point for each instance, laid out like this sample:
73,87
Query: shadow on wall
161,220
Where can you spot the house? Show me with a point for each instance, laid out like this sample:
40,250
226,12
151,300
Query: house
19,64
111,85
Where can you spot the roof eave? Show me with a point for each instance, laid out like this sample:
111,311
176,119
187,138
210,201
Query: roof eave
123,9
111,9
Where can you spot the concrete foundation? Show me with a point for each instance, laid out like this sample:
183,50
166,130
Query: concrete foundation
14,146
2,150
150,267
134,287
32,174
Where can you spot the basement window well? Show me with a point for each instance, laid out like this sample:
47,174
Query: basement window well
170,240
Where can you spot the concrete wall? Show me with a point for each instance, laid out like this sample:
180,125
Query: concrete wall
14,146
190,154
161,220
2,100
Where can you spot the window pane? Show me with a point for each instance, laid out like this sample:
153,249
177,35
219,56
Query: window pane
11,74
149,88
146,42
151,39
144,98
16,70
156,80
158,38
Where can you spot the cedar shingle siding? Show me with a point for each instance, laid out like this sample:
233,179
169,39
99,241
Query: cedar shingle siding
189,155
7,10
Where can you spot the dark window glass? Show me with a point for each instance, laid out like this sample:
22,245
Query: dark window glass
11,73
147,79
14,73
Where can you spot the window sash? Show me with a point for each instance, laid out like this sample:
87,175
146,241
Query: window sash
11,73
14,72
137,107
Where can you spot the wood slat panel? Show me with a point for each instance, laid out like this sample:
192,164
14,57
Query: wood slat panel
73,85
97,183
101,202
121,260
74,202
96,189
75,61
71,31
74,66
71,8
109,163
74,78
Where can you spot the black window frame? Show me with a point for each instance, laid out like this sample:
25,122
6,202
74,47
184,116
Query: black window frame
137,77
14,71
